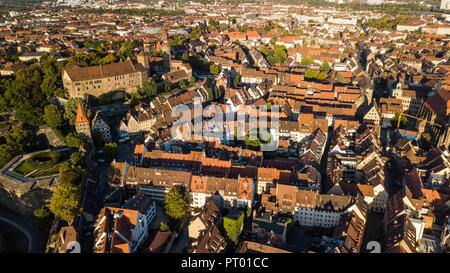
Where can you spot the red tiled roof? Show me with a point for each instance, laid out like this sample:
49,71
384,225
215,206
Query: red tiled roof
81,116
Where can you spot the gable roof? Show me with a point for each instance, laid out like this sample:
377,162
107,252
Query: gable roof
78,73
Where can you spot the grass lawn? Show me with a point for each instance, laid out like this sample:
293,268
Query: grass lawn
23,169
46,163
52,171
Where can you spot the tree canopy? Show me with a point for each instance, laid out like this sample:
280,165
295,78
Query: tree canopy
306,60
25,97
51,82
233,227
44,217
325,67
66,197
176,203
403,121
276,56
53,116
148,89
85,59
163,227
214,69
77,158
18,141
75,140
110,151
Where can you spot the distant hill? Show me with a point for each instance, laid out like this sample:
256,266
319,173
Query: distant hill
20,2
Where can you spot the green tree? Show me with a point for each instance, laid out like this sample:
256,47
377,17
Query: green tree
265,51
148,89
19,140
66,197
214,69
77,158
84,59
185,57
51,83
44,217
212,23
425,141
7,153
182,84
107,59
24,95
321,76
276,56
233,227
280,53
325,67
133,101
110,151
126,49
252,140
53,116
176,204
306,60
309,74
163,227
403,121
46,58
191,81
71,173
75,140
167,87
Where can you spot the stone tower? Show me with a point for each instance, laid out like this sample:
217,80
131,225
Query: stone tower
142,58
82,123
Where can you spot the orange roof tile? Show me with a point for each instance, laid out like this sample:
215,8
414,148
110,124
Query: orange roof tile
81,116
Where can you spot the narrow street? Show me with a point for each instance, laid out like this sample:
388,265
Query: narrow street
373,231
324,161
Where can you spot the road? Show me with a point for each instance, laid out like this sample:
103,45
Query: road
34,243
181,242
324,162
373,231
